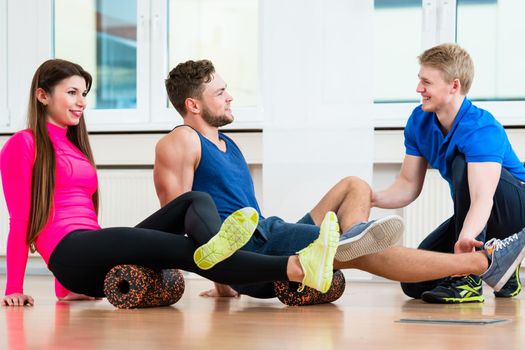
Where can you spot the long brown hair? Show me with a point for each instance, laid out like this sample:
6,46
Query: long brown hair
47,76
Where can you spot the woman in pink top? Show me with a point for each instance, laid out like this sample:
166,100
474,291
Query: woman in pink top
51,190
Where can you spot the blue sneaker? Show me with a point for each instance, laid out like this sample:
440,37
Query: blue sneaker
504,257
369,237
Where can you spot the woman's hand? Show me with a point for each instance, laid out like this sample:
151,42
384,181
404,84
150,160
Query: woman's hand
17,299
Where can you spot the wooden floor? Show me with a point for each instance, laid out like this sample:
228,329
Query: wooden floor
365,318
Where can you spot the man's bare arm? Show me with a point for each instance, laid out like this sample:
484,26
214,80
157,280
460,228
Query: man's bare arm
176,158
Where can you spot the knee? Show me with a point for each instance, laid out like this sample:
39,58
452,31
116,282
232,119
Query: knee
355,184
199,196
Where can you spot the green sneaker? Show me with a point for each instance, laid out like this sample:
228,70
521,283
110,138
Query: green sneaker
455,290
317,259
235,232
512,287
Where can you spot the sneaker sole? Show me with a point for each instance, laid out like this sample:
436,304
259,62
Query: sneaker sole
327,241
328,226
380,235
236,230
431,300
510,271
516,291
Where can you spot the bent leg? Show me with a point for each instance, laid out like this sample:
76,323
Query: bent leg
83,258
192,213
350,199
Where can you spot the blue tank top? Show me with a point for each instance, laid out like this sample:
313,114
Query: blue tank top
224,176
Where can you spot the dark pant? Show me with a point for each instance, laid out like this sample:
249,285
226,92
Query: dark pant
82,259
506,218
276,237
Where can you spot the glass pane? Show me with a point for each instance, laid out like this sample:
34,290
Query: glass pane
101,35
397,43
223,31
492,31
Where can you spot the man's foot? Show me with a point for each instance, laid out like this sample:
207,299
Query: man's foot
220,291
235,232
455,290
512,287
370,237
317,259
505,257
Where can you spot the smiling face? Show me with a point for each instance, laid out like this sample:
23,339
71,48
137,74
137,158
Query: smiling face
436,93
215,103
66,102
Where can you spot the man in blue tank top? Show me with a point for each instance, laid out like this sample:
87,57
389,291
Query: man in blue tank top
196,156
473,154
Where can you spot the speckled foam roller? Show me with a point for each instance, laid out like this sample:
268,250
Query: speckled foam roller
287,292
131,286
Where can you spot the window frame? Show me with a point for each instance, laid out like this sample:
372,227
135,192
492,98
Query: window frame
439,26
162,115
4,111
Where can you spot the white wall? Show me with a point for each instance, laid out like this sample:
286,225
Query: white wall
317,98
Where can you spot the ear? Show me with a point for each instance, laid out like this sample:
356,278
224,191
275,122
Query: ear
456,86
192,105
42,96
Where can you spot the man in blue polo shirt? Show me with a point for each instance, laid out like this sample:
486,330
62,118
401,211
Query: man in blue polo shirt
471,150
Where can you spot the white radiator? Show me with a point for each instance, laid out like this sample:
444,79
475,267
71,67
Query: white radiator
127,196
433,206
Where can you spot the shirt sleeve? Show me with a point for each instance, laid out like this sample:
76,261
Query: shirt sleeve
410,140
485,144
16,165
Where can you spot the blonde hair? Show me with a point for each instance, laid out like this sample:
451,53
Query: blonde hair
453,61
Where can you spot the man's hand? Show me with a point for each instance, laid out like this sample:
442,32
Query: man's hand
17,299
220,290
466,245
74,296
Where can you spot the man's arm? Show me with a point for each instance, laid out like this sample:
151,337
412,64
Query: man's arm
483,179
177,155
176,158
407,186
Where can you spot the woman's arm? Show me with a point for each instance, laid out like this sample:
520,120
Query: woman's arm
16,165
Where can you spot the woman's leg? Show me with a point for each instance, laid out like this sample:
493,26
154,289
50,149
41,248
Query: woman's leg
82,259
192,213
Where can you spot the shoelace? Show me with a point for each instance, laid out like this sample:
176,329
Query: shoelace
451,282
505,242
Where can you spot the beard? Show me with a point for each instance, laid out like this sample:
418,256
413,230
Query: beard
215,120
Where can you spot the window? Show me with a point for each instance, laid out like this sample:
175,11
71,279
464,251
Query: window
487,29
103,37
224,31
395,61
129,46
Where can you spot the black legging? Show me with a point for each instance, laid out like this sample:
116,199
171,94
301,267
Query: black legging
506,218
83,258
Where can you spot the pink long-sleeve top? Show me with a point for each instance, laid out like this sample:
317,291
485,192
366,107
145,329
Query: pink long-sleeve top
72,209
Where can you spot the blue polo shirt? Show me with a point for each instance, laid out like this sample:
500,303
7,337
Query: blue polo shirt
475,133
